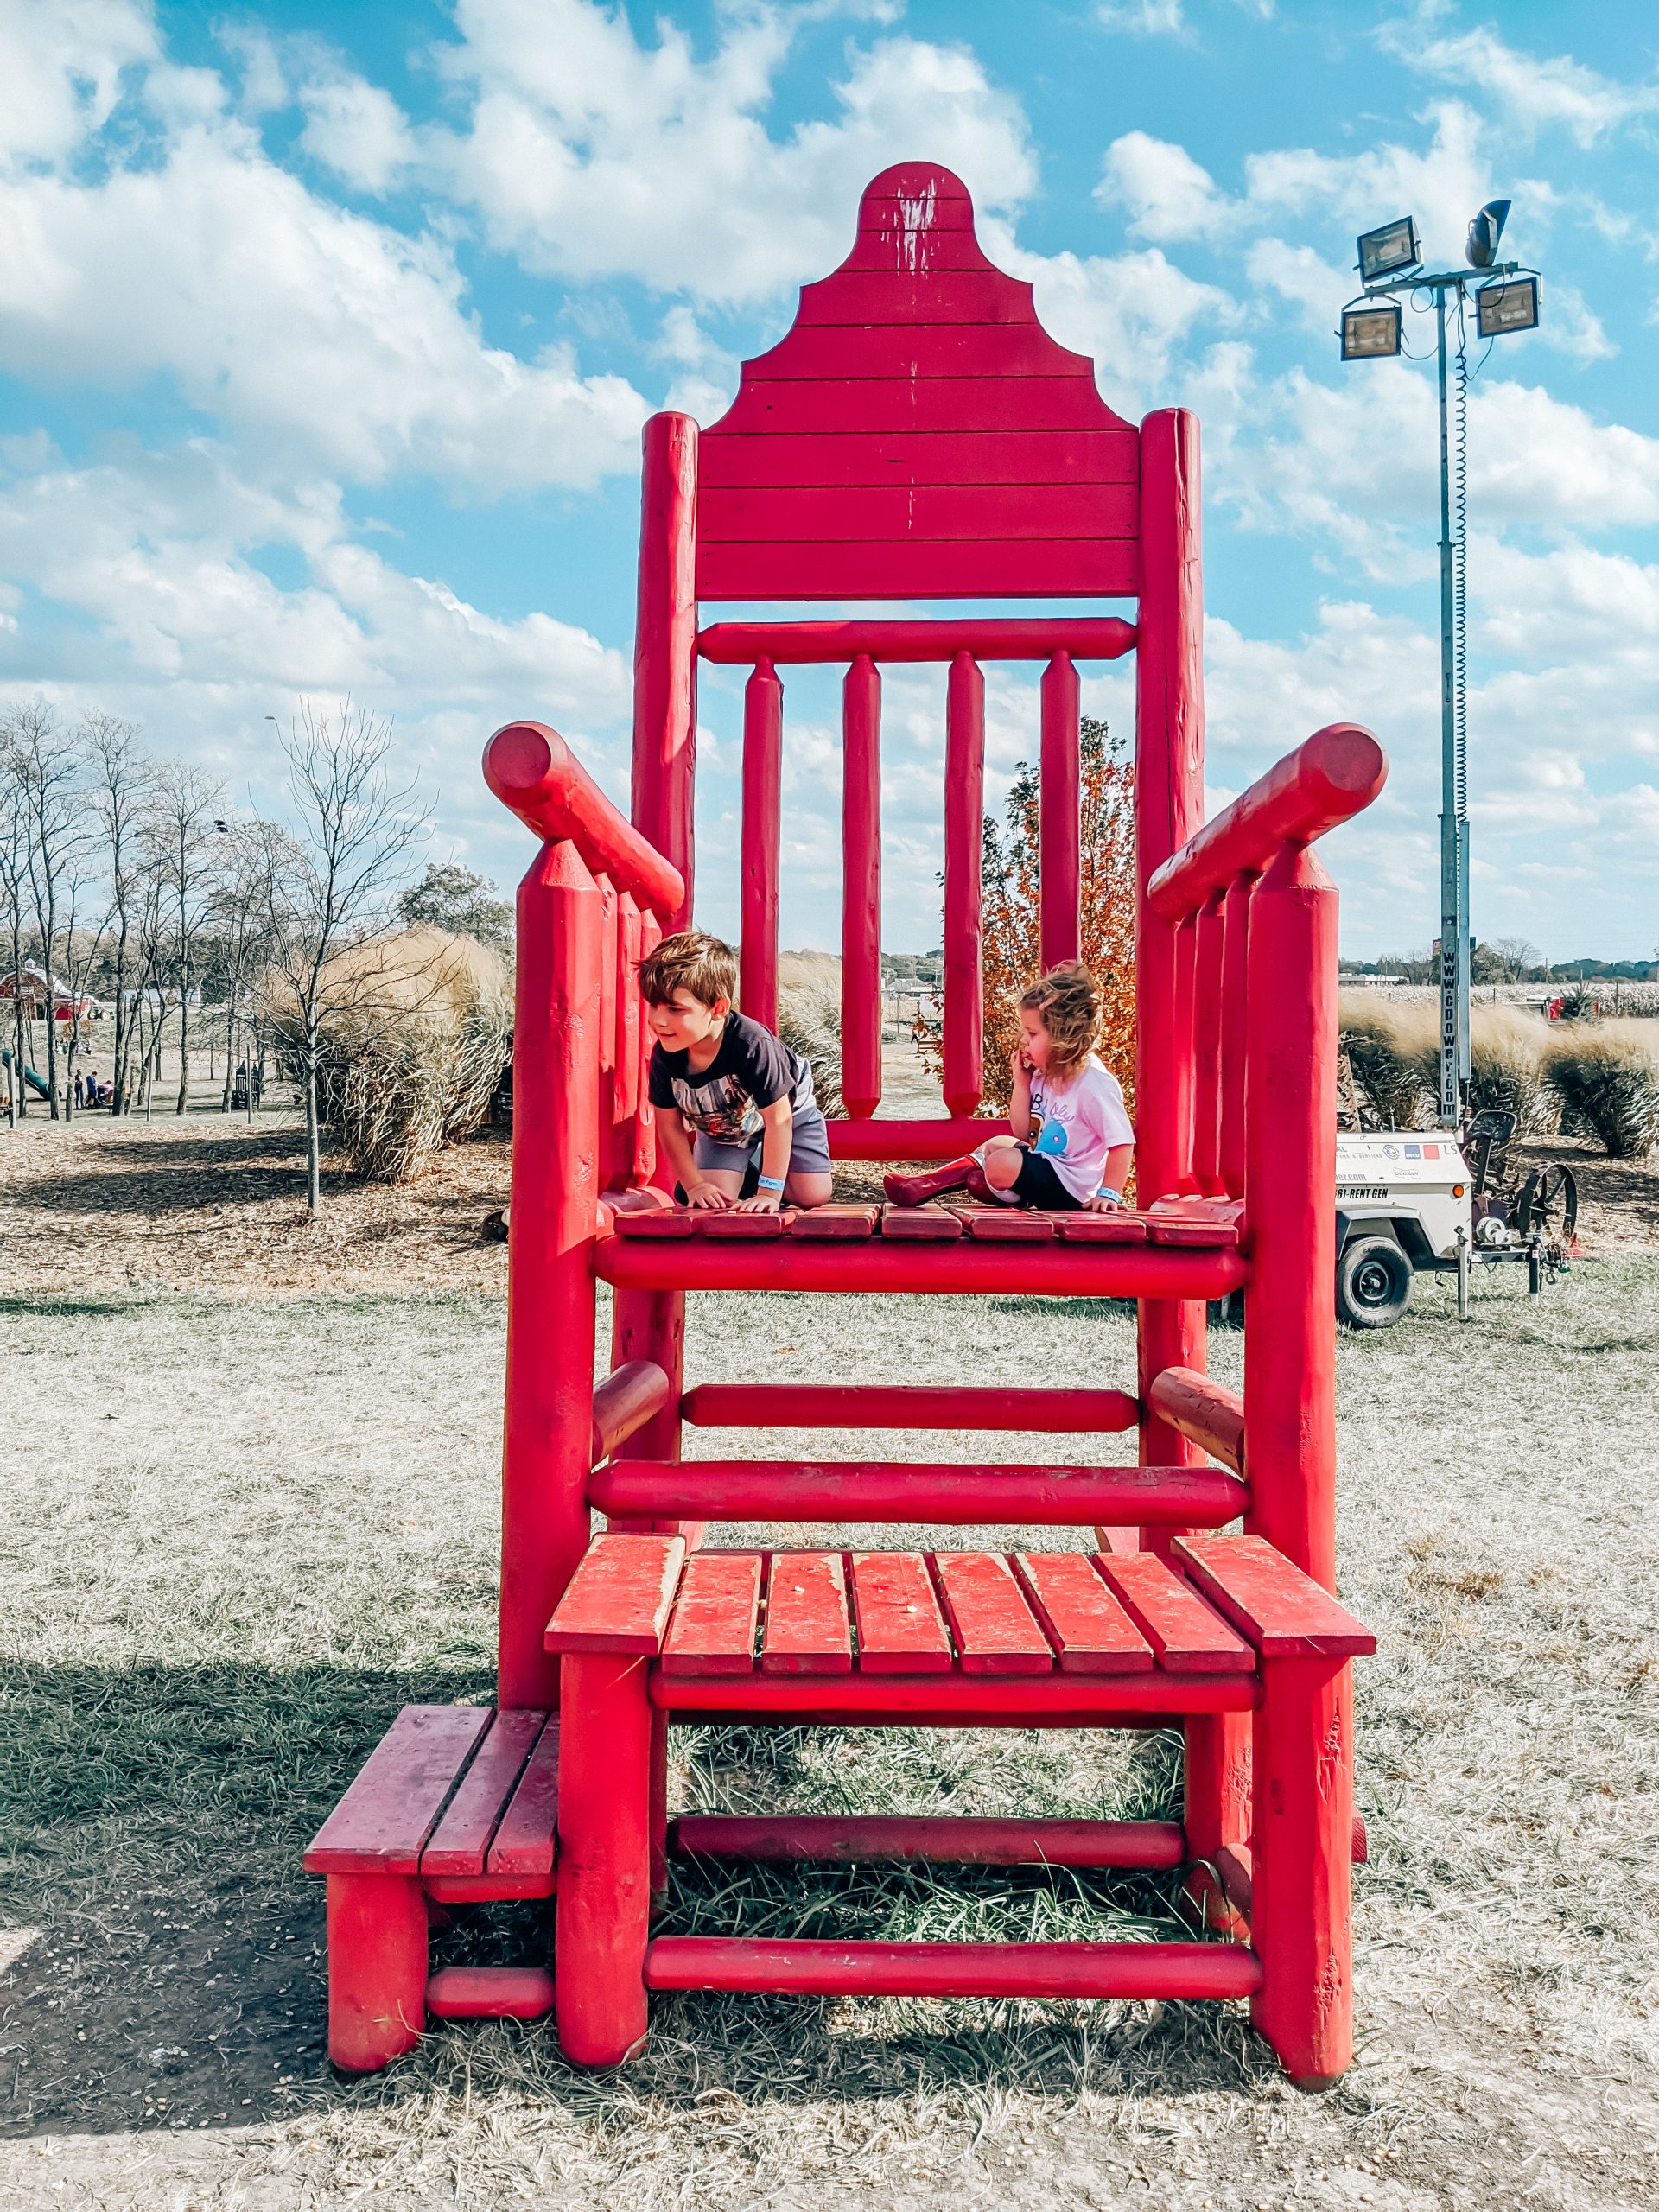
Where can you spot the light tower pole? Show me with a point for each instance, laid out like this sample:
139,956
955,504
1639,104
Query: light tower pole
1506,299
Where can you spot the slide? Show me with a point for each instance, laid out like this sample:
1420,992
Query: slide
36,1081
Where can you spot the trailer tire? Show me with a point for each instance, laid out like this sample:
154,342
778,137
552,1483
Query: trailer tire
1373,1282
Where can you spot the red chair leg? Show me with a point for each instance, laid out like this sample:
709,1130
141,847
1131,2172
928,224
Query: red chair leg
377,1968
603,1908
1217,1809
1302,1846
658,1806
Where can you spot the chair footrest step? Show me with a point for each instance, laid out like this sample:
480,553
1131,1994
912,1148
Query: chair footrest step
489,1993
787,1841
1057,1970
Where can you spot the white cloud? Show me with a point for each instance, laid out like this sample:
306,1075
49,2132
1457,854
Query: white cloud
588,155
1169,197
60,65
1145,18
1533,92
357,129
336,338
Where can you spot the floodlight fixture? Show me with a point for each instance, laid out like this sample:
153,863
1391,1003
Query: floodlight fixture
1386,252
1484,232
1370,334
1510,304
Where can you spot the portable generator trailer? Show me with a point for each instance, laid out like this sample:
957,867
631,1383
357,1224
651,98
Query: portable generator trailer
1411,1202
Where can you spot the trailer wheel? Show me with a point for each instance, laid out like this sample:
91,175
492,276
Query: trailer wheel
1373,1283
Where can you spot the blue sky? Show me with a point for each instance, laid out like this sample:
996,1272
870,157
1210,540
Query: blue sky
326,335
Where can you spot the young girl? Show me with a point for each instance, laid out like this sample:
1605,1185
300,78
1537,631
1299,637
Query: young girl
1077,1144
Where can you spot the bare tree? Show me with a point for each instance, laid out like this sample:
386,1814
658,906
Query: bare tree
256,857
13,875
181,835
356,830
122,781
46,769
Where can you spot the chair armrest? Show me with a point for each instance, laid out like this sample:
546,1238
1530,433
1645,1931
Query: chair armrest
620,1598
1284,1612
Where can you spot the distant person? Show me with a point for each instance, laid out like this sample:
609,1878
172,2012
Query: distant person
736,1110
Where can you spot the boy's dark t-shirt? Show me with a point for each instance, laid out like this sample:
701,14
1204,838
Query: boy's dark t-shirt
751,1069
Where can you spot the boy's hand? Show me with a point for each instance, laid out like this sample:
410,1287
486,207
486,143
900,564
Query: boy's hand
707,1194
762,1202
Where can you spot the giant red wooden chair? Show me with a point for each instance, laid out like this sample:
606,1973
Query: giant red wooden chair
916,436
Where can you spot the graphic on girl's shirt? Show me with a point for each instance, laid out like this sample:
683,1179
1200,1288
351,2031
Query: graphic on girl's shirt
1051,1140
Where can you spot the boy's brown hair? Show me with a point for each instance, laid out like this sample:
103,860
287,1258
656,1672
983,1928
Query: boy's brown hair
1070,1005
693,961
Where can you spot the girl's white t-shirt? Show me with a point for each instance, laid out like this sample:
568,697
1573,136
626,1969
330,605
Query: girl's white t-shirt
1079,1123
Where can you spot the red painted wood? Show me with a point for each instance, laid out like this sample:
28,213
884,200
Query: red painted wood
618,1599
983,457
968,1495
1206,1411
1195,1222
740,644
603,1901
994,1629
1088,1630
1060,887
489,1993
629,1396
462,1839
937,296
629,1022
490,1888
1301,1877
377,1968
1290,1136
523,1849
1206,1046
909,1140
860,913
806,1629
803,1968
665,649
1284,1612
837,1224
919,349
897,1615
658,1222
763,740
997,1225
645,1146
853,1839
713,1629
1169,807
1215,1808
956,1700
1183,1632
964,1042
1120,1227
649,1324
534,773
1330,778
1184,1024
920,1224
746,1228
556,1166
857,514
883,405
1235,963
381,1823
1052,567
903,1405
1060,1270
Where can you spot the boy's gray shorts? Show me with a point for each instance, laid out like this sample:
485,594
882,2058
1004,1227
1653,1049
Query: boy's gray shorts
809,1151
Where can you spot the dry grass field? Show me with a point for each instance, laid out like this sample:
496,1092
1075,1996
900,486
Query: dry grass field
243,1528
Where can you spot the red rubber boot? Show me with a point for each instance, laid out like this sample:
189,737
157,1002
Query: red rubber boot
933,1183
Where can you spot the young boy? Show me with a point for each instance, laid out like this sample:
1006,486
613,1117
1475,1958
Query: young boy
735,1110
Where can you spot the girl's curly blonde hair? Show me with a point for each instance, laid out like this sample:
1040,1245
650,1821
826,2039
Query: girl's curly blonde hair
1070,1005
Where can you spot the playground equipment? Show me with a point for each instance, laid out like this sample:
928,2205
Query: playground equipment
917,435
37,1083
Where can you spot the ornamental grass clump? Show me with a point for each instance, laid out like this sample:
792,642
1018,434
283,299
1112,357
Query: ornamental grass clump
1506,1048
808,1019
1605,1075
416,1031
1394,1051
